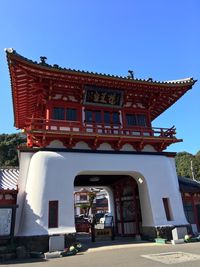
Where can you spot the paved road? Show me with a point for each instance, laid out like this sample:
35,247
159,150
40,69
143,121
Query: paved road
118,255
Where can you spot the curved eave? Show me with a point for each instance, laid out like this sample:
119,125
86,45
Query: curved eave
23,105
12,54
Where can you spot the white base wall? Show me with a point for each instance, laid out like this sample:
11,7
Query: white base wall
47,176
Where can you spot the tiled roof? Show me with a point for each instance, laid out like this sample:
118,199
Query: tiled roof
43,63
9,178
188,185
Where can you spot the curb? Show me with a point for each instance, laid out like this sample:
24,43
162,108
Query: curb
103,248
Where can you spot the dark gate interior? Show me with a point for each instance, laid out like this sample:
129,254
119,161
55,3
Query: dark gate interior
126,200
127,207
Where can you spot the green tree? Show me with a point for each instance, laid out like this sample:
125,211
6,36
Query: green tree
92,196
8,148
88,206
183,165
197,166
85,208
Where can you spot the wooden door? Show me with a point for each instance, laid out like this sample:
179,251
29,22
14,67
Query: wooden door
198,216
127,207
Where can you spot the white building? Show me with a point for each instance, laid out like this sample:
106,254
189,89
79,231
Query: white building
85,129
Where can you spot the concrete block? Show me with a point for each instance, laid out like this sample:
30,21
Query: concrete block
51,255
179,233
56,243
137,238
178,241
160,240
21,252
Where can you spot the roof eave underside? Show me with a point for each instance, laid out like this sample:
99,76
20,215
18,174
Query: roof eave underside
9,178
23,98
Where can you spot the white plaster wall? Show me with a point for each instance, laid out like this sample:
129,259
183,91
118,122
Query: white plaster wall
149,148
105,146
46,181
167,186
127,147
81,145
24,162
56,144
51,176
111,206
78,211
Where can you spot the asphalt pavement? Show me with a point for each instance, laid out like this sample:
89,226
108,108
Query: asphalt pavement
123,253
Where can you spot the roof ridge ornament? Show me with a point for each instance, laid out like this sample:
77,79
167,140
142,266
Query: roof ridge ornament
131,74
9,50
43,60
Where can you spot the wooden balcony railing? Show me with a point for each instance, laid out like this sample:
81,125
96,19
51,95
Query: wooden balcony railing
58,126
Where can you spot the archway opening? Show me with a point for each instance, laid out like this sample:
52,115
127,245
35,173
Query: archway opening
124,201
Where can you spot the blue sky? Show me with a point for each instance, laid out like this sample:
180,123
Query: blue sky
158,39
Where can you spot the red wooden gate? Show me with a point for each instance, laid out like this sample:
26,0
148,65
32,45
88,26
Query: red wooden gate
127,207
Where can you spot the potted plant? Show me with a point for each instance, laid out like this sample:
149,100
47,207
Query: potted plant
159,237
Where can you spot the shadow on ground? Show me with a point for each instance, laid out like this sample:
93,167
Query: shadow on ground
87,245
21,261
86,241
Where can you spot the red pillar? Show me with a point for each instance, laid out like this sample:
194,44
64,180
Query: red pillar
195,210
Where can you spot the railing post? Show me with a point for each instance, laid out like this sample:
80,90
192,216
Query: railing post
161,132
47,124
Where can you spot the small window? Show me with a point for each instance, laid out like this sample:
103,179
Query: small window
141,120
116,118
131,119
97,117
71,114
167,209
136,120
58,114
53,214
88,116
107,117
83,197
101,116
